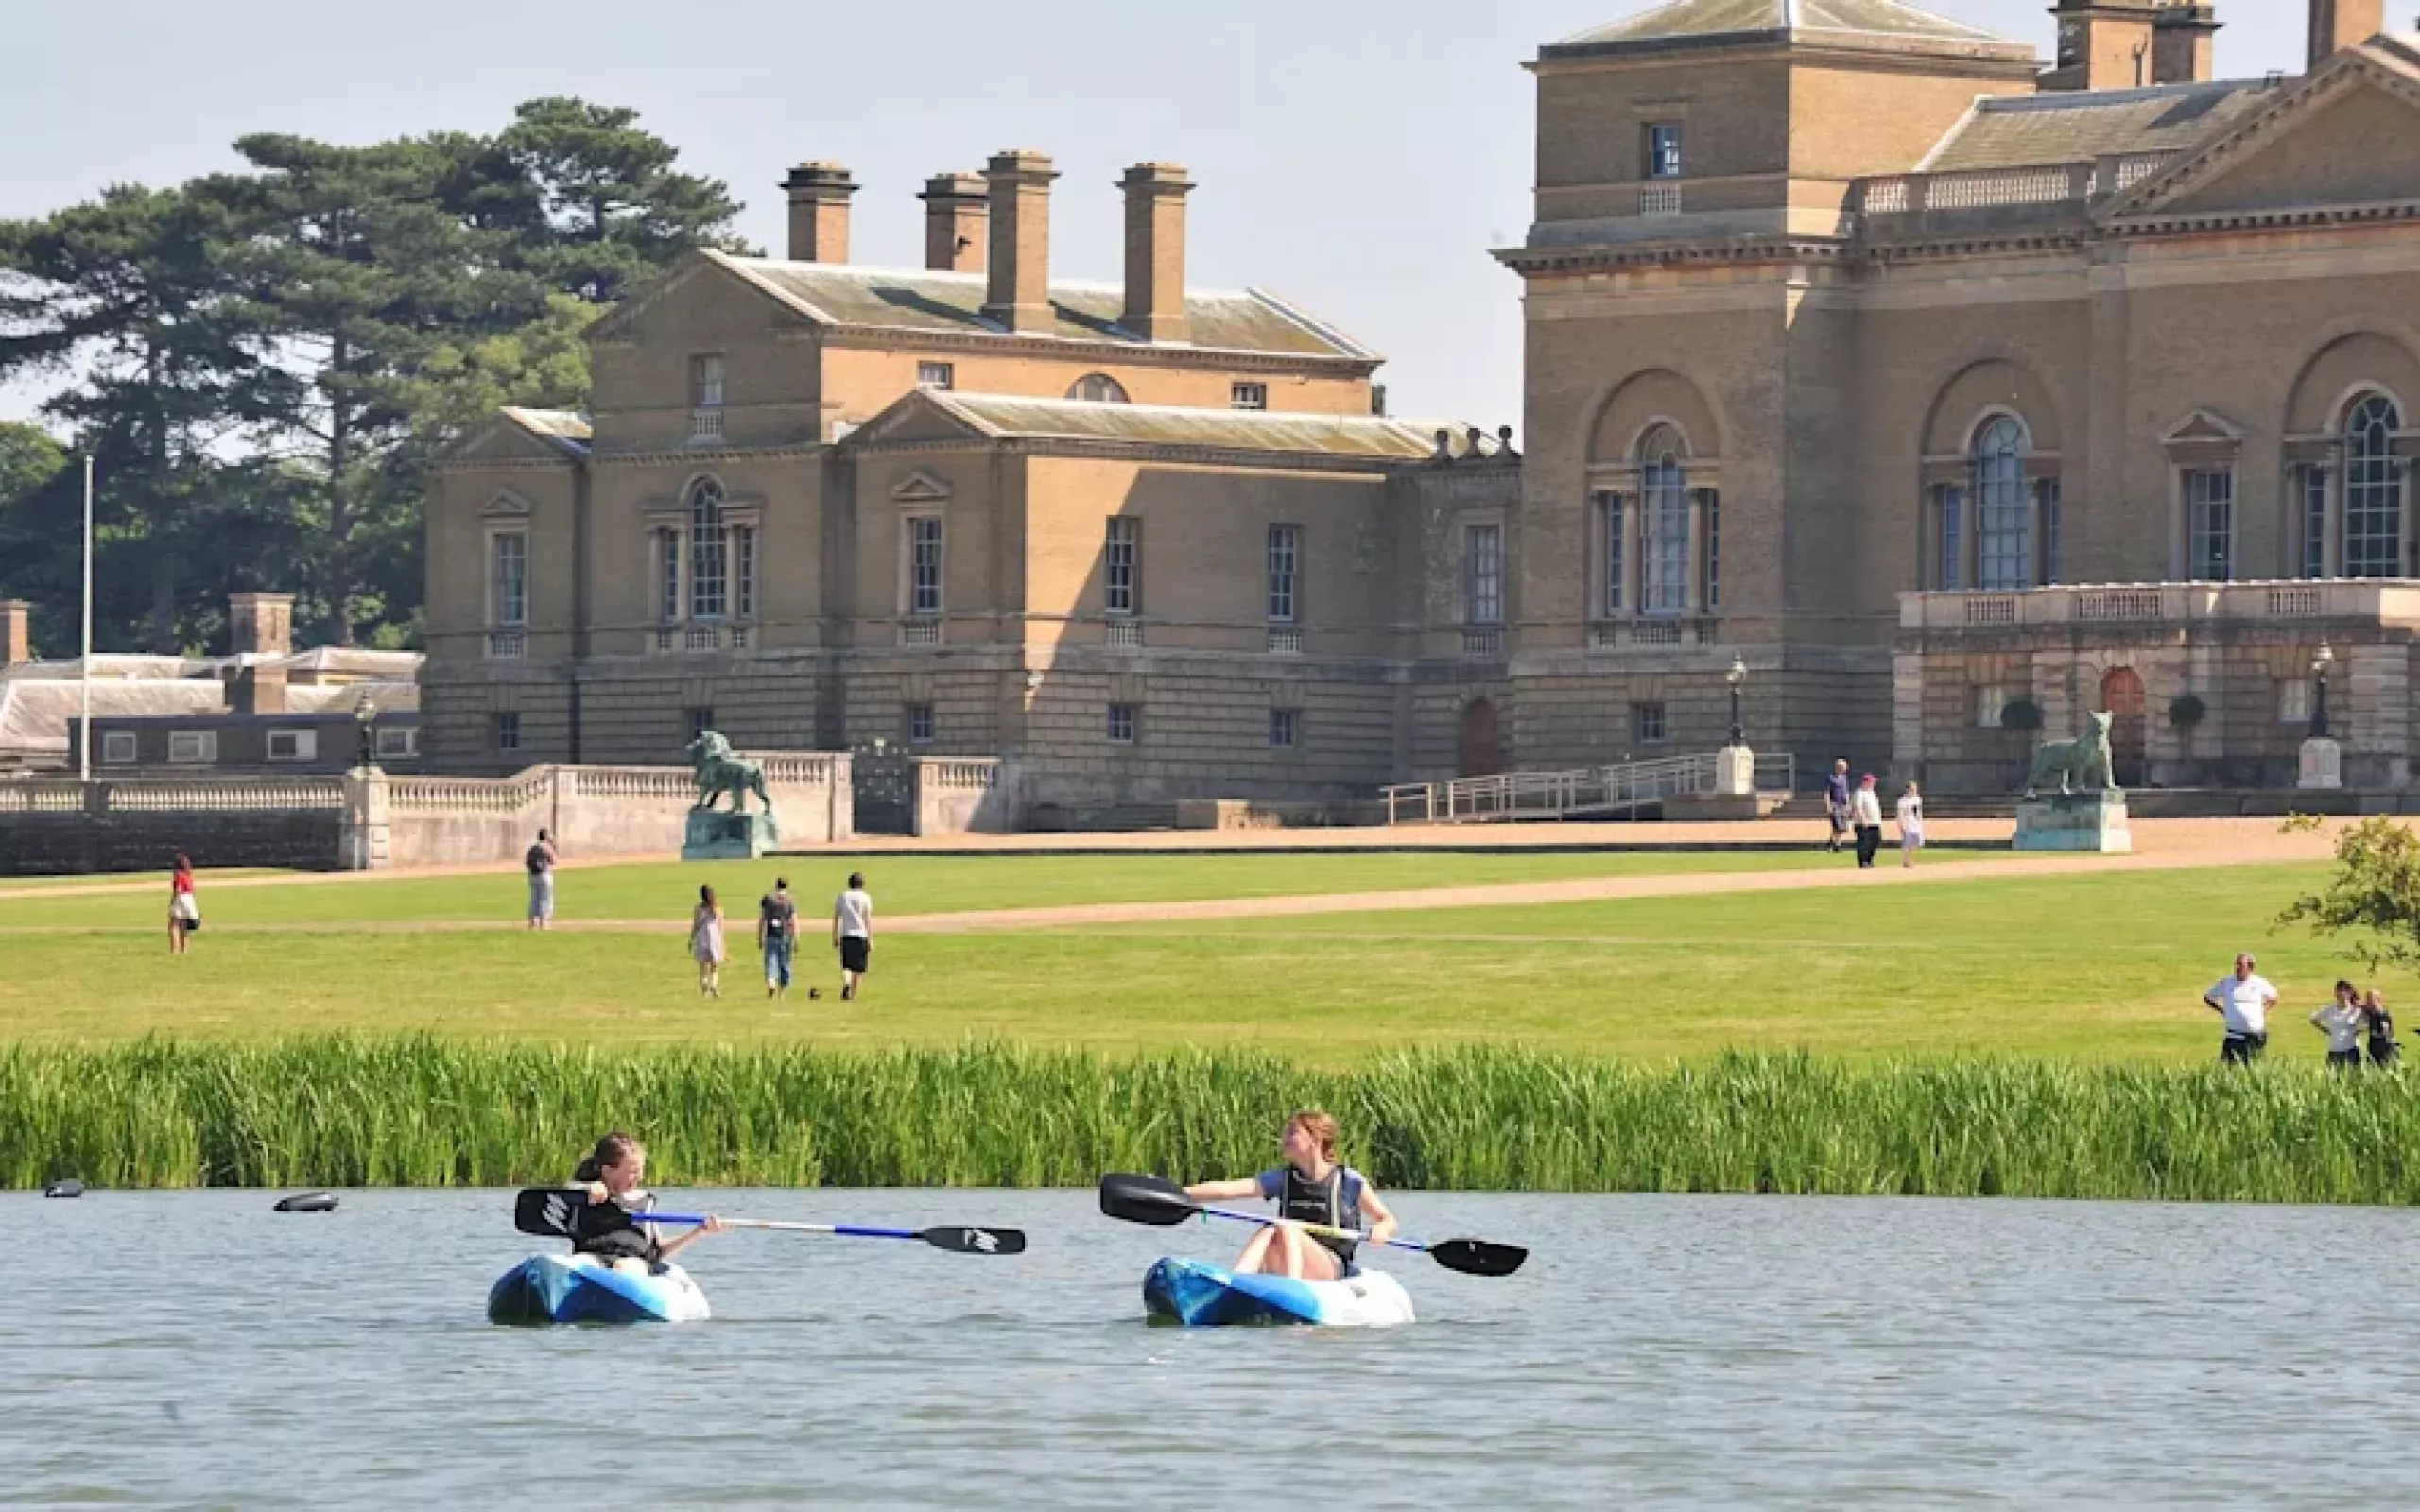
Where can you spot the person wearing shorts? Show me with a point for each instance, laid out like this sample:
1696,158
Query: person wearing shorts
540,862
853,933
777,935
2242,1000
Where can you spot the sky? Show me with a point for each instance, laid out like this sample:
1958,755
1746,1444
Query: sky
1357,157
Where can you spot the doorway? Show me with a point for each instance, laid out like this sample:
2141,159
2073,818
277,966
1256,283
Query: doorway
1476,749
2122,695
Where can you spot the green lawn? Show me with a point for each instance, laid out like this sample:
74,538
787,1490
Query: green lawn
2106,968
901,884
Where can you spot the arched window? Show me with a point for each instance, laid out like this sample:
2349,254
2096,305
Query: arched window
1664,523
2373,489
709,553
1101,388
2003,507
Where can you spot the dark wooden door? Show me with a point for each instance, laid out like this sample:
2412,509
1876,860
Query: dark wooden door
2122,695
1477,754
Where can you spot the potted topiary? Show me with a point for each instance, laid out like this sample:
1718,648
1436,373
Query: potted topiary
2186,710
2021,715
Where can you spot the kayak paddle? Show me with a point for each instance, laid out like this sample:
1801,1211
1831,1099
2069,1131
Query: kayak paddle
1161,1203
548,1211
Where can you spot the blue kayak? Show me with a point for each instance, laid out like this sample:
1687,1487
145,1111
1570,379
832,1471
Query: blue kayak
1202,1296
583,1289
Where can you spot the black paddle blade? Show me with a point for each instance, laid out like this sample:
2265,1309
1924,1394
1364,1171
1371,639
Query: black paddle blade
547,1211
959,1241
1476,1257
1145,1199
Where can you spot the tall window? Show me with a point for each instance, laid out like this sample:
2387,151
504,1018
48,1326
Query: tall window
1611,504
2209,526
743,571
1285,564
1124,559
1664,525
1099,387
1952,504
667,558
2003,509
1664,150
2373,491
2048,492
2314,522
1483,575
510,568
705,399
1710,586
924,564
709,553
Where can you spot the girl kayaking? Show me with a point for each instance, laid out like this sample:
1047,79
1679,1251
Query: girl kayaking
612,1226
1309,1188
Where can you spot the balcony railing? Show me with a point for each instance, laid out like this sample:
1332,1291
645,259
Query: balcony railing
507,645
2058,183
1658,202
705,424
1285,642
920,632
1125,635
2386,600
1483,642
699,638
1619,635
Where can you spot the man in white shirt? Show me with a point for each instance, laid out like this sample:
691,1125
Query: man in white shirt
853,933
2243,1002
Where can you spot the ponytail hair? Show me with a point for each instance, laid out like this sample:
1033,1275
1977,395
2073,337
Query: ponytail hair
1319,1127
610,1151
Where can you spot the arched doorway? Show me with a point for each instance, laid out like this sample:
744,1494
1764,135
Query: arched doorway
2122,695
1477,752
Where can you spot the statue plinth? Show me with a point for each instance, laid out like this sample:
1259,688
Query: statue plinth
1734,772
2323,764
718,835
2074,821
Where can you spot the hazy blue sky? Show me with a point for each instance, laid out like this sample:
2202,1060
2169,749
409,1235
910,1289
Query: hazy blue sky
1357,156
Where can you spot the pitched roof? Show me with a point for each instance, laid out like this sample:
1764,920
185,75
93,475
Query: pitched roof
563,429
1367,437
846,294
2078,127
1687,23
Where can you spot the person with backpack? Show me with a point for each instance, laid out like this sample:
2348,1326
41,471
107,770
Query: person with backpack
540,862
777,935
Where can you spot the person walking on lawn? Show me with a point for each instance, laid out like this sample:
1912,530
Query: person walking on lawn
185,906
540,862
1865,816
853,933
1836,803
2243,1002
705,943
777,935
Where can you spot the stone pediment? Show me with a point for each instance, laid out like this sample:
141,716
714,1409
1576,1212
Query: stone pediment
2204,427
507,505
503,440
923,415
2347,135
922,486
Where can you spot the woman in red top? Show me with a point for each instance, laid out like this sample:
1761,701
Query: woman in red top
185,909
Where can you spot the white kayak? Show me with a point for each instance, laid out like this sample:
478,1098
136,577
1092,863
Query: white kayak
585,1289
1198,1295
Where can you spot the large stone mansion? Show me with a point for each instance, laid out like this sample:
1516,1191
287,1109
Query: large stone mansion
1861,348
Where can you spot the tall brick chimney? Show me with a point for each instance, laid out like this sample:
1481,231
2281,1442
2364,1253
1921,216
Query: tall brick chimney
1155,251
956,217
2104,43
820,211
261,624
2335,25
2184,43
1019,292
256,690
16,631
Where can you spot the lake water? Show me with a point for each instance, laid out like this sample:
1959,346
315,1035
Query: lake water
195,1349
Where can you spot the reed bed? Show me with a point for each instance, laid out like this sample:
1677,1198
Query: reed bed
424,1111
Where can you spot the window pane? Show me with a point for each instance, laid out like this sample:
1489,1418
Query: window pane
1663,151
1613,528
1953,544
925,565
668,600
2047,493
1284,556
1123,555
2004,510
705,383
1710,593
1251,396
1664,521
1099,387
1483,557
743,543
936,375
1282,729
2210,524
2314,522
2373,491
708,564
511,580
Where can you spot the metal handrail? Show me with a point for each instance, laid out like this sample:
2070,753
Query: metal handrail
1625,785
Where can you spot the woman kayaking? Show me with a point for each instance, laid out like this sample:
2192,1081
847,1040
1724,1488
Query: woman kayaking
612,1226
1309,1188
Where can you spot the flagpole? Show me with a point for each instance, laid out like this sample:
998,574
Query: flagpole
84,668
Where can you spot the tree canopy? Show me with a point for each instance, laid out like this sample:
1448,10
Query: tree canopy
265,362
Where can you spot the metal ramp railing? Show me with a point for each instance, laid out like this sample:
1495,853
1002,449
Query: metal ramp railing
1622,789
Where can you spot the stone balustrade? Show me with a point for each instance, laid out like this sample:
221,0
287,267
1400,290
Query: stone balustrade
205,796
42,797
2375,601
1889,198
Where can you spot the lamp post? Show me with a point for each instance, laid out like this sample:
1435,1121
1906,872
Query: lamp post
2320,661
1736,677
365,720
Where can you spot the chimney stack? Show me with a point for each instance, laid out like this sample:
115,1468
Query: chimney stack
256,690
16,631
2104,45
2184,42
1019,293
955,217
2335,25
820,211
261,624
1155,251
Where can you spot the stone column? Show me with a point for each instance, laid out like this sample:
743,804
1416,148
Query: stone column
362,835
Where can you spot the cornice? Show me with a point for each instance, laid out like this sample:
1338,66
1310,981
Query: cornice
657,456
1127,354
1733,249
509,464
1149,451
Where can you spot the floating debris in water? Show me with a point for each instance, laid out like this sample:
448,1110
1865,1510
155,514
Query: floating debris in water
69,1188
308,1202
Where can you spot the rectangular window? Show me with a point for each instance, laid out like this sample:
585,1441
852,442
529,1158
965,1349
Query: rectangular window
1285,561
2314,522
2048,492
2003,526
924,564
668,557
920,724
743,571
701,719
941,375
1664,556
508,732
511,551
1285,728
193,748
1664,150
705,383
1989,702
293,745
1483,575
1613,527
1248,396
1952,506
398,740
2373,515
709,571
2209,526
2293,701
118,746
1710,587
1122,724
1123,556
1647,723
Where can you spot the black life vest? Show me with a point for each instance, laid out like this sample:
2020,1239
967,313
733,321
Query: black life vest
608,1229
1307,1201
2383,1050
